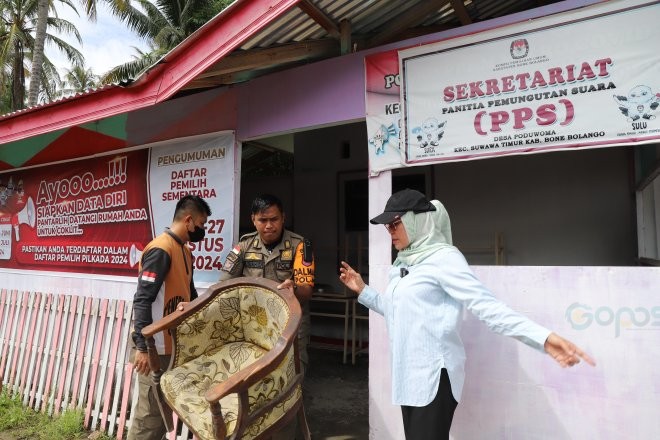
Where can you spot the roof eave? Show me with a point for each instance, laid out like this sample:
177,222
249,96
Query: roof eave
216,39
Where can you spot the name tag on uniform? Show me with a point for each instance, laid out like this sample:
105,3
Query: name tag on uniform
283,265
254,260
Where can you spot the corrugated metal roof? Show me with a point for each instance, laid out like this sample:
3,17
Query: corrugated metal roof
368,18
62,100
314,28
279,35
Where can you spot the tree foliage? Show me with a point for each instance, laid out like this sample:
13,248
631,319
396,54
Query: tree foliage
164,24
17,45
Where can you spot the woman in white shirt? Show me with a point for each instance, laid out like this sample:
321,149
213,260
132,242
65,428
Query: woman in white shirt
429,284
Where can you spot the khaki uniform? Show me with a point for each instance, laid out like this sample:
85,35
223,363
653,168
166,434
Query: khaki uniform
292,258
147,423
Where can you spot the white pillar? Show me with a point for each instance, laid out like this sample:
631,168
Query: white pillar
384,418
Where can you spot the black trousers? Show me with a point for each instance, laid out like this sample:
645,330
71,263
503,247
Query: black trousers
433,421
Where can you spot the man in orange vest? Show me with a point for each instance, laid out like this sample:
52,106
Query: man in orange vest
165,279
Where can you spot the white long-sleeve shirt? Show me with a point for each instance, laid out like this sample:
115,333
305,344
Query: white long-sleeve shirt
423,311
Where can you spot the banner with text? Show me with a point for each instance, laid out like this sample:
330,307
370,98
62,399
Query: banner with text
383,114
580,79
204,168
96,215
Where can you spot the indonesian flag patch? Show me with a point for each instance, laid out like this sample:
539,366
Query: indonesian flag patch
232,257
149,277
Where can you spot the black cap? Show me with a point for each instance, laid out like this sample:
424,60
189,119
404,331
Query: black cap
401,202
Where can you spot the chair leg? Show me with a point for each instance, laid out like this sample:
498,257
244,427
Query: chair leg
219,428
156,373
302,423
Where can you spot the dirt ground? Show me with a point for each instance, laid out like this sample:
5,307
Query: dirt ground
336,396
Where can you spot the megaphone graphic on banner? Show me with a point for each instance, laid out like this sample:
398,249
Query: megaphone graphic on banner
25,216
134,255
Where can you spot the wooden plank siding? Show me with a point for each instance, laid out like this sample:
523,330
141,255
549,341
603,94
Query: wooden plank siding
63,352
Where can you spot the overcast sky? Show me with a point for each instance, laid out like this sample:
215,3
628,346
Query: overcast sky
106,42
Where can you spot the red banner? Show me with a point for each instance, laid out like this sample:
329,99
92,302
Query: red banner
87,216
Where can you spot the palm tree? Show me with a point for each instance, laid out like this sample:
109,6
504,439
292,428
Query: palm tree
116,6
165,24
141,61
77,80
5,89
17,46
5,75
50,79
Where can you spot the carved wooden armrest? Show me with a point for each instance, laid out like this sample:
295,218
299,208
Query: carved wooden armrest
178,316
241,381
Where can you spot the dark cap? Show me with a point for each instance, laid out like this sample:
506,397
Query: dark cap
401,202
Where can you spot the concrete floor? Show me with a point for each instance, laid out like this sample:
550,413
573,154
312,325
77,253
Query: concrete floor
336,396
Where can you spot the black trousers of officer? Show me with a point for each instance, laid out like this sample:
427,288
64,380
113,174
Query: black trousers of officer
433,421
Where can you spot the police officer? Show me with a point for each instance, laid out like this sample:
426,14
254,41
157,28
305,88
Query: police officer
280,255
277,254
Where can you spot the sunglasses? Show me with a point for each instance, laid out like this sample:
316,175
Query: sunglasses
391,227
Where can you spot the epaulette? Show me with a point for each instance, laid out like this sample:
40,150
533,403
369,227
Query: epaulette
249,235
296,236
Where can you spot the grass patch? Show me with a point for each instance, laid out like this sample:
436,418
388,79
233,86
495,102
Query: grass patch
12,413
69,425
25,423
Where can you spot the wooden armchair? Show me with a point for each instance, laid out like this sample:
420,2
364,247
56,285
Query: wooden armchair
235,370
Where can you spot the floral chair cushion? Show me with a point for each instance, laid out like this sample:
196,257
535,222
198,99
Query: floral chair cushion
264,316
228,335
210,328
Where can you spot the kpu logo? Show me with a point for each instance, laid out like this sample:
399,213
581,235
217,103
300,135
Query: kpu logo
519,49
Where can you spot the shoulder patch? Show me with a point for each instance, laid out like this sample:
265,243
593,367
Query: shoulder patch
149,277
296,236
232,257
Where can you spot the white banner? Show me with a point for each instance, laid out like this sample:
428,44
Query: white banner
202,166
579,79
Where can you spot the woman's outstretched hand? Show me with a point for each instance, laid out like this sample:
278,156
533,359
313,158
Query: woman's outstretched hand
565,352
351,278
